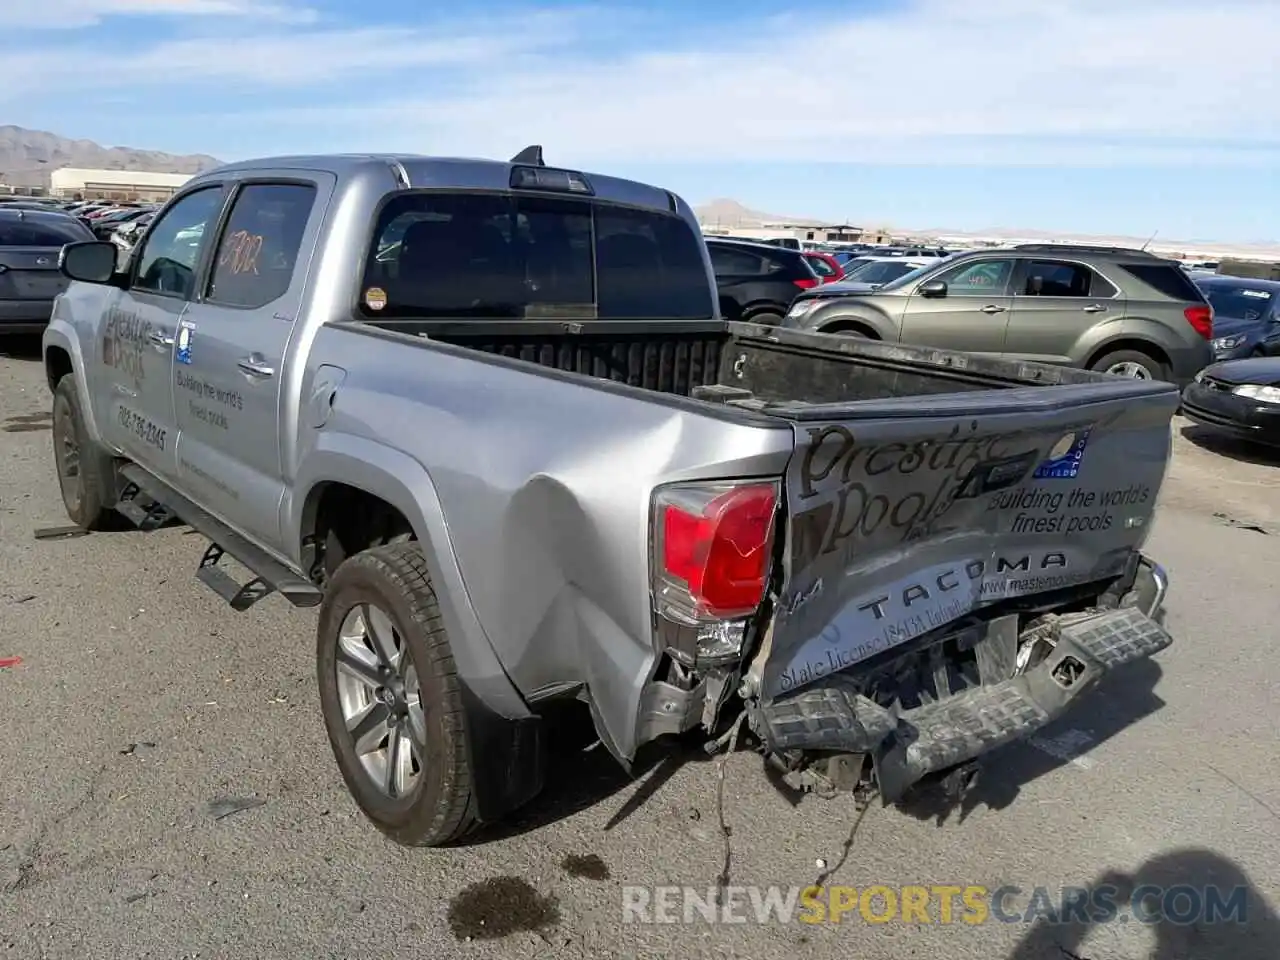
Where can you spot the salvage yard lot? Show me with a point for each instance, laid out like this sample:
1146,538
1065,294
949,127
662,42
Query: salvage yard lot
166,788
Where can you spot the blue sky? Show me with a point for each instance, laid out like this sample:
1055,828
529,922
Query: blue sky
1075,115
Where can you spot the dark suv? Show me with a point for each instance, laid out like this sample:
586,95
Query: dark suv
1126,312
758,281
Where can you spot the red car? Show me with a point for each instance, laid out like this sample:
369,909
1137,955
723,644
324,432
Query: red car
825,266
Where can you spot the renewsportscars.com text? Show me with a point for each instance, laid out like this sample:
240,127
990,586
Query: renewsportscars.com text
967,905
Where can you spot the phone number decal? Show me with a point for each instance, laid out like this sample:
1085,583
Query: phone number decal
142,428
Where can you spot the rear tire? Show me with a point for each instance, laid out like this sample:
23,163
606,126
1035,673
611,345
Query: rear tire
766,317
1131,363
85,473
391,698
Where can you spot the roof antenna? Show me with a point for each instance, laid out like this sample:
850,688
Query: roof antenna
531,156
1149,239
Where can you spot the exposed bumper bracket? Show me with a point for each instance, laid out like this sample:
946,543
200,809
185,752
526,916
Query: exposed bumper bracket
833,716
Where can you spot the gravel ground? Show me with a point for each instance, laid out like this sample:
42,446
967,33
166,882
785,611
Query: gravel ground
166,789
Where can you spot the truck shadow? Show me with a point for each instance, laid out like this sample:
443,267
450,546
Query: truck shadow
1120,700
20,346
1225,445
580,776
1182,889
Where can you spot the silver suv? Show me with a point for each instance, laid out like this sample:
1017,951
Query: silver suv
1126,312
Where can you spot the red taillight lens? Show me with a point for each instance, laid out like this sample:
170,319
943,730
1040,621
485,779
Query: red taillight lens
1201,320
807,283
714,547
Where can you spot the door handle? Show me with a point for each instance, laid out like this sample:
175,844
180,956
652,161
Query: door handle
255,366
1094,308
993,308
160,340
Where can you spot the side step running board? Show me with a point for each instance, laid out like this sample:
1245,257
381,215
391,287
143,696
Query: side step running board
270,575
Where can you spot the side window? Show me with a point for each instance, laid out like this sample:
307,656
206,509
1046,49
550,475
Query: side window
648,265
259,246
734,263
985,278
169,256
1051,278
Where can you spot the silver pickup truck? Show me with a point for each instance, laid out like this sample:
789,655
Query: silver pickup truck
486,416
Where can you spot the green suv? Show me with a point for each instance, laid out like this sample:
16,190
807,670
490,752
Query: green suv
1126,312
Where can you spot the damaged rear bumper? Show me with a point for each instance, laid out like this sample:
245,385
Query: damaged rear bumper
833,717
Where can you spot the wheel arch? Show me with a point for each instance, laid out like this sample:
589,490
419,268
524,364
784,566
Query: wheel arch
504,737
1128,342
851,324
61,355
393,487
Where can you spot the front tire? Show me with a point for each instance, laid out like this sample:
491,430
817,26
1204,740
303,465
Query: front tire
391,699
85,474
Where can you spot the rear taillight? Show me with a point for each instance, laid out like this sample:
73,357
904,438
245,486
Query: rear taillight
1201,320
806,283
712,549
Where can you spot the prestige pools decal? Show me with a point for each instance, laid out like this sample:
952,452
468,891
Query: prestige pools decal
1064,459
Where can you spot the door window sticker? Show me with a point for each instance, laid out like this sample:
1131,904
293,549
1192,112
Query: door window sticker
186,333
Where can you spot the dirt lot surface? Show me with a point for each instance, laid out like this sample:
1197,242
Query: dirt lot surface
166,788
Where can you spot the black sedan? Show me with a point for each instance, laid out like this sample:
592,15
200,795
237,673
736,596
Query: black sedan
30,242
1246,316
1240,397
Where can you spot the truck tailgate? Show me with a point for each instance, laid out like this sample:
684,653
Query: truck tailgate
907,515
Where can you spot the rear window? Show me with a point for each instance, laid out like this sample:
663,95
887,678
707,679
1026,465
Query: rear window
47,233
1242,303
1170,280
504,256
882,271
821,267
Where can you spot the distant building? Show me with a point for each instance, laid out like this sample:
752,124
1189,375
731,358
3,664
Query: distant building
820,233
114,184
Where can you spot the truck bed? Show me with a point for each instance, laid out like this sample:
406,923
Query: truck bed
752,365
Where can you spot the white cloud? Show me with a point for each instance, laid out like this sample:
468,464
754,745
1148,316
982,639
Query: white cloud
937,78
248,67
69,14
1143,82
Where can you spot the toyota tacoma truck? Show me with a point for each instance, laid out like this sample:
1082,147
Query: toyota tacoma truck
487,417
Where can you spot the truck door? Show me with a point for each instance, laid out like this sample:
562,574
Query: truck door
230,356
134,384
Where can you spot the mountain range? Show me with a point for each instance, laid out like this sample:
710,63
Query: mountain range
28,156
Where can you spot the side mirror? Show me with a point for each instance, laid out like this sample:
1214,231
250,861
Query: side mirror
93,261
933,288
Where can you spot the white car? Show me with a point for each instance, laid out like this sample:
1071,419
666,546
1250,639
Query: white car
873,272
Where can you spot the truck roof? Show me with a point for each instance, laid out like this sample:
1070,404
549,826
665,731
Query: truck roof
421,171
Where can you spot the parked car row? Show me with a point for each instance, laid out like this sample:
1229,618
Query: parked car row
1240,393
33,231
103,217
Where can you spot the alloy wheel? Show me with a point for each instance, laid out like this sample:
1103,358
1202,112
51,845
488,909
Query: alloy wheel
381,701
1128,368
